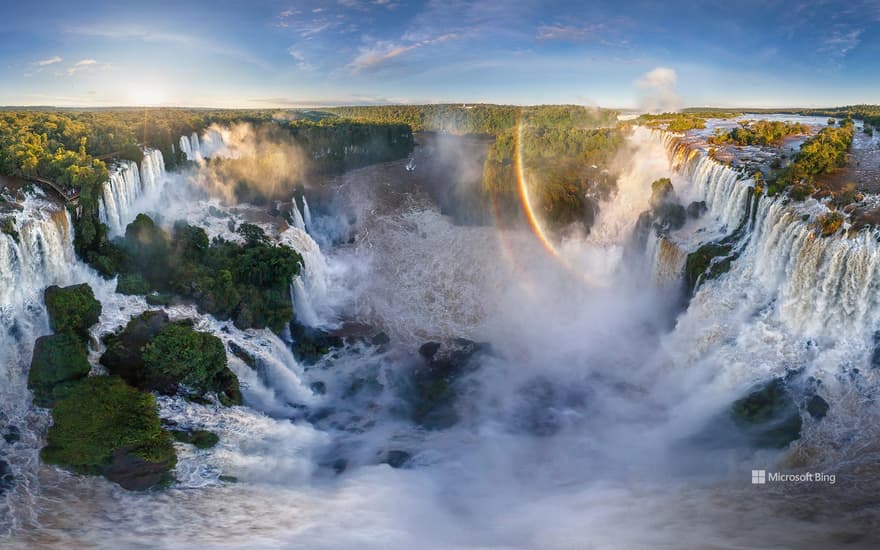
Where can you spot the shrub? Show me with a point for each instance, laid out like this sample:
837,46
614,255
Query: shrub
72,309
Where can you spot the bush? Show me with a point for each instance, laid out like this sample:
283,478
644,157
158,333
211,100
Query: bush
103,426
830,223
132,284
57,359
72,309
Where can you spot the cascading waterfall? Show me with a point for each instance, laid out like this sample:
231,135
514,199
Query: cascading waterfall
197,149
41,255
126,185
298,221
307,215
119,194
310,289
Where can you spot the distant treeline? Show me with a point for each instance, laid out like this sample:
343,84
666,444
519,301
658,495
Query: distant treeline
485,119
72,147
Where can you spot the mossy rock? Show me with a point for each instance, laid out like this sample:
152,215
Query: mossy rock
102,426
661,192
201,439
72,309
178,355
707,262
58,358
768,415
124,354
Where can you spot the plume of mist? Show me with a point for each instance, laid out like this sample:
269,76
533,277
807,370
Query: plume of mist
253,164
657,93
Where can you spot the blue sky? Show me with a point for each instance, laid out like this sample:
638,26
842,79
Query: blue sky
260,53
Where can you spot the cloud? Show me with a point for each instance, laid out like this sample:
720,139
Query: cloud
657,91
50,61
373,57
570,32
80,65
301,61
841,43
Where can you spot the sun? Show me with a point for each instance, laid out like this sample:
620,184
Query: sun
144,96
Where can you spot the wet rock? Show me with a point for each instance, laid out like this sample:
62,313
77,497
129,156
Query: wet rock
11,434
319,387
875,356
228,479
662,191
544,407
817,407
311,344
380,339
768,416
124,355
7,479
58,358
201,439
133,472
435,382
243,354
396,459
669,217
429,349
697,209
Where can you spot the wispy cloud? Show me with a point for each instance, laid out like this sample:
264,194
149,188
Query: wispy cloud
81,65
570,32
301,61
841,42
49,61
145,34
372,57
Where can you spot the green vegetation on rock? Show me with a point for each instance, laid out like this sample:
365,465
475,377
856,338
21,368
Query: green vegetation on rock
760,132
201,439
58,358
103,426
72,309
154,354
707,262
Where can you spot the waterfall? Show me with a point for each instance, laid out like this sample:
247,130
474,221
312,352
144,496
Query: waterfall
127,183
41,255
119,193
186,147
298,220
307,215
311,289
210,144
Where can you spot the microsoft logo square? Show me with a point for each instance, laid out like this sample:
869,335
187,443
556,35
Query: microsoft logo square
759,477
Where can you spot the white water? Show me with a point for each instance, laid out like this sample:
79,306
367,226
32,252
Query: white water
614,393
127,185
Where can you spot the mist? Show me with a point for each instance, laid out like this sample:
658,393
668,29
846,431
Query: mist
251,163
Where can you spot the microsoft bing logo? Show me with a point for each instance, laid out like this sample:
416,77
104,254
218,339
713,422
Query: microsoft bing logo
759,477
